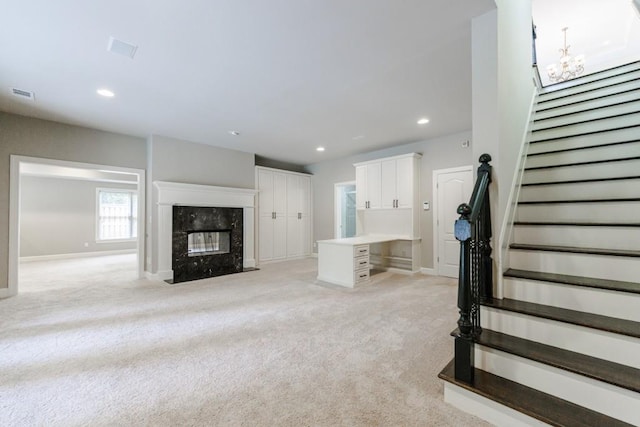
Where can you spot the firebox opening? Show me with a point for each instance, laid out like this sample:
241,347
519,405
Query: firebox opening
201,243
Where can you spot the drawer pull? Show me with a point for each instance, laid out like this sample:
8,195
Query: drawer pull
363,263
363,276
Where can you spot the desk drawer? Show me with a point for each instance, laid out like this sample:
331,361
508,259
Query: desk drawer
361,262
361,276
360,250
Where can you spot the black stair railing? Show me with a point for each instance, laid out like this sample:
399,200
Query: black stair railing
475,280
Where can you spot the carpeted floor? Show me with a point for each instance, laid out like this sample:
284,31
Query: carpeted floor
272,347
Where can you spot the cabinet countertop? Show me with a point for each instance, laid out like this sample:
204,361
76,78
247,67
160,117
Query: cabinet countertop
366,240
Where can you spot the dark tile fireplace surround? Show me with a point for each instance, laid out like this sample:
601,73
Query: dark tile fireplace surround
207,242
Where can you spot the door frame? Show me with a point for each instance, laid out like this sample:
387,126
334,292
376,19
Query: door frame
434,207
337,206
14,211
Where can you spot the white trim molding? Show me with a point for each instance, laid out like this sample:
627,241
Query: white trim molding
36,258
176,193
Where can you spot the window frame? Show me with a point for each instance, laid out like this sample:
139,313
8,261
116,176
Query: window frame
133,212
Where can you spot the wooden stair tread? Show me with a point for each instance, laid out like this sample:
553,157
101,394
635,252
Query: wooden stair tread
581,181
586,163
574,317
589,282
576,250
593,132
582,122
553,202
585,147
536,404
578,224
588,366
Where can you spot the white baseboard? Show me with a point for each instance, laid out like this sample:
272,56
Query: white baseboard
6,293
429,271
249,263
75,255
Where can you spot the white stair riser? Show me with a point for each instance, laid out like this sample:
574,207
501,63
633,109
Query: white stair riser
627,238
622,305
615,95
595,212
620,169
631,134
615,76
613,401
487,409
610,111
586,265
620,189
595,126
621,151
603,345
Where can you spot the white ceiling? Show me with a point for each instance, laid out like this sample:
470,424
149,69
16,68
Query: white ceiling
607,32
289,75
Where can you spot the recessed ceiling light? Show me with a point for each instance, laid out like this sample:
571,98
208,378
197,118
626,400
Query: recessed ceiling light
234,133
320,149
355,138
105,92
423,121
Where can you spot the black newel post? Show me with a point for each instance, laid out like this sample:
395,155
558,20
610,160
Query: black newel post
484,239
464,338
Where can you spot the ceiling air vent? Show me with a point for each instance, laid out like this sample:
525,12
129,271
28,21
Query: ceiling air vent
24,94
121,48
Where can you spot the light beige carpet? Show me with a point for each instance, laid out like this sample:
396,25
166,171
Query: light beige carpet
266,348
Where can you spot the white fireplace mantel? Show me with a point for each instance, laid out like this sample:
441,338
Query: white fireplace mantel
176,193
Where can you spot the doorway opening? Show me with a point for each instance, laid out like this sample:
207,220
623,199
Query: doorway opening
68,217
345,213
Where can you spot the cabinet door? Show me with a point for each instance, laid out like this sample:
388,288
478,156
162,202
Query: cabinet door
405,182
265,246
305,231
361,187
305,195
279,237
373,185
388,183
266,188
294,236
293,195
280,193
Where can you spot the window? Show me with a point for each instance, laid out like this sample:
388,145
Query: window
117,214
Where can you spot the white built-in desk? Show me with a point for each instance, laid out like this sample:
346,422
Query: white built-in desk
347,262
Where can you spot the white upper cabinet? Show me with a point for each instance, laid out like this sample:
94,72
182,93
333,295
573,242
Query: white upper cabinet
368,186
389,183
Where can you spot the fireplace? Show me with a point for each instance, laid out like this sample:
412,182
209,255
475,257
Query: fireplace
201,243
170,194
207,242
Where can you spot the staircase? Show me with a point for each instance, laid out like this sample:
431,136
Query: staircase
563,346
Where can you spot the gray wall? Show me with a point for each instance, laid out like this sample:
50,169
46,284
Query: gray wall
437,153
58,216
187,162
40,138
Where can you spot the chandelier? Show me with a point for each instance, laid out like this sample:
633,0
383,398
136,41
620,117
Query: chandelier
569,67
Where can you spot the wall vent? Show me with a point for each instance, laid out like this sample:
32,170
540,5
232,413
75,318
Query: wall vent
24,94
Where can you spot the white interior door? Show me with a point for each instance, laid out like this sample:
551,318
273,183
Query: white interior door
453,187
